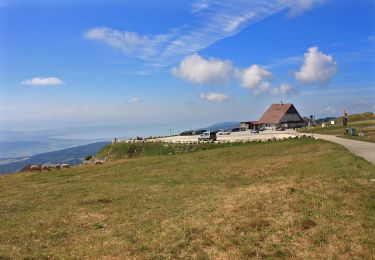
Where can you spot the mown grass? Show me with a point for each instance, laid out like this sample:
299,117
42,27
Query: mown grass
290,199
363,123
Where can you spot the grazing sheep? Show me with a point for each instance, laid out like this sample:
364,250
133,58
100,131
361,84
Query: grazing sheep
99,161
46,168
35,168
65,165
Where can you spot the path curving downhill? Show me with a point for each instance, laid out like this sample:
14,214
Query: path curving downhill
362,149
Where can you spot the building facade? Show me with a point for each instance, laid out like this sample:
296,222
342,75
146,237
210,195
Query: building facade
246,125
285,115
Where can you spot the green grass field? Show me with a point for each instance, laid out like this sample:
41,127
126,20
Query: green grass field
363,123
300,198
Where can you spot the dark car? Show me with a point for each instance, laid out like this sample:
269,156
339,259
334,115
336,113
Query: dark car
207,136
280,128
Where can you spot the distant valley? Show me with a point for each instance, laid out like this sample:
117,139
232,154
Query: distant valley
71,156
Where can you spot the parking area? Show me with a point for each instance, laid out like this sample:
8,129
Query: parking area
234,136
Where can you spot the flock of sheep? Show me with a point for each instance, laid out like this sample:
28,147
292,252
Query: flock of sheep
40,168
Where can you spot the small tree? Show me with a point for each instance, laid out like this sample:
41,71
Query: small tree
88,157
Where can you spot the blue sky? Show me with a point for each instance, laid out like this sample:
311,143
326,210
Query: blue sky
148,66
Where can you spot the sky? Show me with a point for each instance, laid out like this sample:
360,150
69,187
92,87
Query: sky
150,67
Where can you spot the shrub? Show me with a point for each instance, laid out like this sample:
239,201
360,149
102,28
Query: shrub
98,226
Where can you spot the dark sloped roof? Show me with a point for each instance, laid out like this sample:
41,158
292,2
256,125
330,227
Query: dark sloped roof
275,113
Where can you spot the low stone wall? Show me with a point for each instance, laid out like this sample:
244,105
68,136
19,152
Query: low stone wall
238,137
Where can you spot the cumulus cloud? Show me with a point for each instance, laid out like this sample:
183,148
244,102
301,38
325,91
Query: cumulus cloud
134,100
317,68
43,81
198,70
266,88
260,81
214,97
254,76
283,90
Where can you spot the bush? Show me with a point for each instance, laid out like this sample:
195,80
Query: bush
98,226
88,157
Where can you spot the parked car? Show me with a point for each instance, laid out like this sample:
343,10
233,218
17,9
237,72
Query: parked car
254,131
224,132
207,136
280,128
262,128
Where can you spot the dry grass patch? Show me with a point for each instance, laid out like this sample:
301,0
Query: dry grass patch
290,199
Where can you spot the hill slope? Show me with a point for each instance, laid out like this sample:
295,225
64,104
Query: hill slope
363,123
223,125
72,156
290,199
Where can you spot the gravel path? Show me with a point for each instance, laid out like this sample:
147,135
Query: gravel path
234,136
365,150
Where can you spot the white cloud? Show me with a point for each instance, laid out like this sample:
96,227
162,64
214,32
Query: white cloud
41,81
196,69
330,111
260,80
130,43
134,100
214,97
283,90
236,21
254,76
299,6
199,6
212,21
317,68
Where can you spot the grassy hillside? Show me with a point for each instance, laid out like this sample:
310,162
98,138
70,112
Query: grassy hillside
296,198
131,150
363,123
